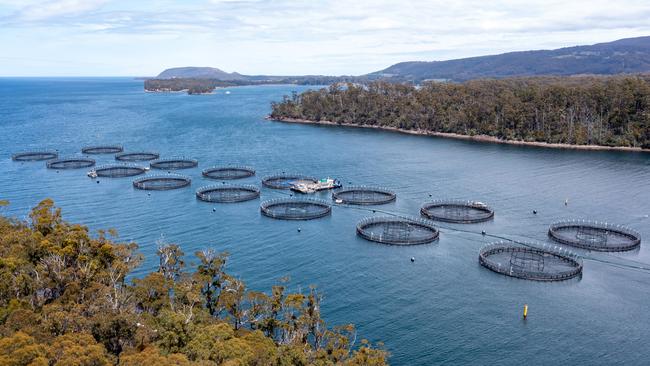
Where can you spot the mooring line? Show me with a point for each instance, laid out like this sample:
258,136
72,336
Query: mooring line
637,266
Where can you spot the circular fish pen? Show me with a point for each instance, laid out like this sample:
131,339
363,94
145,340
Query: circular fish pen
285,181
70,163
295,209
137,156
530,262
362,195
119,170
102,149
397,230
597,236
457,211
228,193
228,172
174,163
34,156
162,182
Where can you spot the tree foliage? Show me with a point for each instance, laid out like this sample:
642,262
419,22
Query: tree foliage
608,111
65,299
203,86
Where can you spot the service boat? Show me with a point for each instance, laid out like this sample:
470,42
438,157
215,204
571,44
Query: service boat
320,185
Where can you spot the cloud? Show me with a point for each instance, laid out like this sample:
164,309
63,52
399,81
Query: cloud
294,36
55,8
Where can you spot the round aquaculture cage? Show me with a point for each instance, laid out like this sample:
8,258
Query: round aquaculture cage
228,172
119,170
137,156
530,261
397,230
102,149
295,209
174,163
457,211
286,181
592,235
162,182
228,193
34,156
362,195
70,163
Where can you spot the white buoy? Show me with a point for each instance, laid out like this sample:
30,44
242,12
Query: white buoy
412,259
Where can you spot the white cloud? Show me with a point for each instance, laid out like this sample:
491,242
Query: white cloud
300,37
54,8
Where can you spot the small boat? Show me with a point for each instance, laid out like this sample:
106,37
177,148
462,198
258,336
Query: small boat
303,188
92,174
321,184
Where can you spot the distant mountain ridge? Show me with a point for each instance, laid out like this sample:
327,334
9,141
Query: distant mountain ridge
192,72
629,55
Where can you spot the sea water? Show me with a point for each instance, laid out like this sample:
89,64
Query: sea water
441,308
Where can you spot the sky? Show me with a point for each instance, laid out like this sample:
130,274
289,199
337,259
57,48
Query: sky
291,37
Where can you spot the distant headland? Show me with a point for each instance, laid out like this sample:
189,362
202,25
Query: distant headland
203,80
586,97
624,56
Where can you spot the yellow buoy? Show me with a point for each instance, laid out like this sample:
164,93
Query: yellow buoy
525,310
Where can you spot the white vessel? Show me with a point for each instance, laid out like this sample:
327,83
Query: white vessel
321,184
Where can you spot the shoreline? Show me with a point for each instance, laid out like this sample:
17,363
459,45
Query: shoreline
184,91
457,136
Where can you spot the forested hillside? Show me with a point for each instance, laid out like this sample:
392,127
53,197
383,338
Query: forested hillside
629,55
67,298
607,111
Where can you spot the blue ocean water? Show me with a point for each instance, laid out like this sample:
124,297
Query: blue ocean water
442,308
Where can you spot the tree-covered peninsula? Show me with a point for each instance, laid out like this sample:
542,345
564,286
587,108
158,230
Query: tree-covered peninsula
68,298
609,111
206,86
